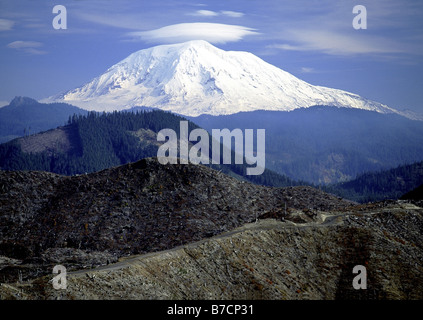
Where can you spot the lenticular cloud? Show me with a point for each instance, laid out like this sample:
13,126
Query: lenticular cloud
211,32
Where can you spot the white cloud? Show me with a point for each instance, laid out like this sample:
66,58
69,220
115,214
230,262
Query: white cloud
232,14
205,13
6,25
211,32
27,46
209,13
24,44
35,51
285,46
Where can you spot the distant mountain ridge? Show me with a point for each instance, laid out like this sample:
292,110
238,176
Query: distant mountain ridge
196,78
99,141
318,145
25,116
324,145
404,182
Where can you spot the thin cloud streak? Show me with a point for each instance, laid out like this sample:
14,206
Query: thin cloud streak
24,44
334,43
29,47
6,25
204,13
233,14
307,70
209,13
327,28
122,21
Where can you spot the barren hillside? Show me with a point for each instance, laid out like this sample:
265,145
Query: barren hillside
200,234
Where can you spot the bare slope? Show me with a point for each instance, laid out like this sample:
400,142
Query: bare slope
136,208
196,236
52,141
269,259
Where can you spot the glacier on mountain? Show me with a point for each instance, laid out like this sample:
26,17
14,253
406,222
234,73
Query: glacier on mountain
195,78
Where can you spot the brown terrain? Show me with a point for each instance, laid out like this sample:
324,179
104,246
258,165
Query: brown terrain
59,140
151,231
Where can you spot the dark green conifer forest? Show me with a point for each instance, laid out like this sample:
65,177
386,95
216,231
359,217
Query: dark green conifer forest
104,140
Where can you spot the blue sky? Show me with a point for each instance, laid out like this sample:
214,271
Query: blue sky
313,40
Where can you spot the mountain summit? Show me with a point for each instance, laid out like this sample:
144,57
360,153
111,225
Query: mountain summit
195,78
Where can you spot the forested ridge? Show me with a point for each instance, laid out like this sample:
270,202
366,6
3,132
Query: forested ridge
25,116
381,185
104,140
325,145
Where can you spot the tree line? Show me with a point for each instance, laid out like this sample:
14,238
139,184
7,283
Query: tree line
104,140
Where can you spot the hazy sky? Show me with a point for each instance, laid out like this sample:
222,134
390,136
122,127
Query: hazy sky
313,40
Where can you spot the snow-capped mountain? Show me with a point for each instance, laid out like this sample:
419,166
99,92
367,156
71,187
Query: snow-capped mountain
195,78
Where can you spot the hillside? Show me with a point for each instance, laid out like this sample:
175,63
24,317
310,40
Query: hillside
199,238
272,260
415,195
98,141
136,208
199,234
324,145
382,185
25,116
